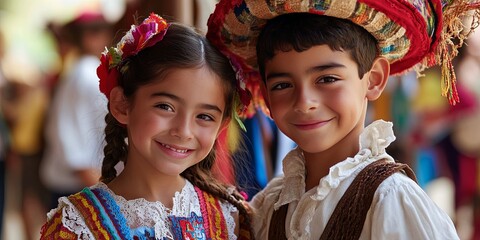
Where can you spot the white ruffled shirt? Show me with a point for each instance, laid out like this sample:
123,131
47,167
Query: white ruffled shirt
400,208
142,213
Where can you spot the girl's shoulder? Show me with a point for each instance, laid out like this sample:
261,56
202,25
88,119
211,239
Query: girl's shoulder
66,219
57,226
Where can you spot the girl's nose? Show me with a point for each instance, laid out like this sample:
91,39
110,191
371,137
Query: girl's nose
182,128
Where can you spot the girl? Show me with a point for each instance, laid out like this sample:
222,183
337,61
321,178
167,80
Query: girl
170,95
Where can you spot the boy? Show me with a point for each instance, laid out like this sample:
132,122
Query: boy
321,62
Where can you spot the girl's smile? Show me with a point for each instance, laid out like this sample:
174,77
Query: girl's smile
175,151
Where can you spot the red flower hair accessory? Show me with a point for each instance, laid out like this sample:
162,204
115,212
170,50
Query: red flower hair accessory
148,33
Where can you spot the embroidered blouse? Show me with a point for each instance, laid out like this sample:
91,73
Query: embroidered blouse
400,208
147,220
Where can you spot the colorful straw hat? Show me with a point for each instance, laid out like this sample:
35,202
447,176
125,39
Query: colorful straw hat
411,34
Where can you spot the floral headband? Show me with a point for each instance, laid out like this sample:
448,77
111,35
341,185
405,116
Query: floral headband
147,34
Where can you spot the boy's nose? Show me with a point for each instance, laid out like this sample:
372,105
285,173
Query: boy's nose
305,101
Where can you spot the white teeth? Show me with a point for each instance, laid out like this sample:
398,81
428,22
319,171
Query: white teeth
174,149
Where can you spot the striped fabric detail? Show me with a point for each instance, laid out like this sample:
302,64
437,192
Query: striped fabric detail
101,214
54,229
214,221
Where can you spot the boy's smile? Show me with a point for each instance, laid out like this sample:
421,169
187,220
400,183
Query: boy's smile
308,125
317,98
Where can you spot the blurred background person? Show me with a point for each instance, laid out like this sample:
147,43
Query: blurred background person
3,155
4,138
24,100
75,122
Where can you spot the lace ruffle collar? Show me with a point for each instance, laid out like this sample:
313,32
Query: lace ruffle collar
186,192
374,139
141,212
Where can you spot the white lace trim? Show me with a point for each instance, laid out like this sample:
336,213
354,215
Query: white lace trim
374,139
140,212
227,210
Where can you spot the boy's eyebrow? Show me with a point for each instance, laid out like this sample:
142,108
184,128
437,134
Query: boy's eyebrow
310,70
275,75
325,67
180,100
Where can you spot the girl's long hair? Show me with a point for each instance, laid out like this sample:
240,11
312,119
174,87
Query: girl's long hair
181,47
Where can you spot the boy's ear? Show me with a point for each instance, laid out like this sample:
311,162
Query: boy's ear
377,78
118,105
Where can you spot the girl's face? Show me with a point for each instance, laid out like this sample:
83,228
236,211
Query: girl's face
173,122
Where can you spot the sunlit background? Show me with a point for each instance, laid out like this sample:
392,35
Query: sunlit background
24,25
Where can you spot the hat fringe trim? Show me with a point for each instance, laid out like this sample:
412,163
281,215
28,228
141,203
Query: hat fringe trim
453,28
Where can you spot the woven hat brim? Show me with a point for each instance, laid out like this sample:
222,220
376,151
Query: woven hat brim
406,31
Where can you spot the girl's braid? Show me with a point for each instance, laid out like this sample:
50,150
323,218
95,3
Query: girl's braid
207,183
115,149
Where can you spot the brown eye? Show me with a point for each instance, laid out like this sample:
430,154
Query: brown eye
280,86
327,79
164,107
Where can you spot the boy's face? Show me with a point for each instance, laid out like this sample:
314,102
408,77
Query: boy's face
317,98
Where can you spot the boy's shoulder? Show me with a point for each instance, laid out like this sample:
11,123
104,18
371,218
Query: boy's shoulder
269,194
398,183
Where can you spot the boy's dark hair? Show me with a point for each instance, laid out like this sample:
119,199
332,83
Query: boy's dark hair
301,31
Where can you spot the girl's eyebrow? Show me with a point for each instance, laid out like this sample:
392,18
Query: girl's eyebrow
168,95
181,101
210,107
310,70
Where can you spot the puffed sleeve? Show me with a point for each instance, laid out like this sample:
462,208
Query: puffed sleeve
54,228
65,222
402,210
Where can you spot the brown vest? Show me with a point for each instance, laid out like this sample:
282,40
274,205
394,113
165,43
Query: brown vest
349,215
